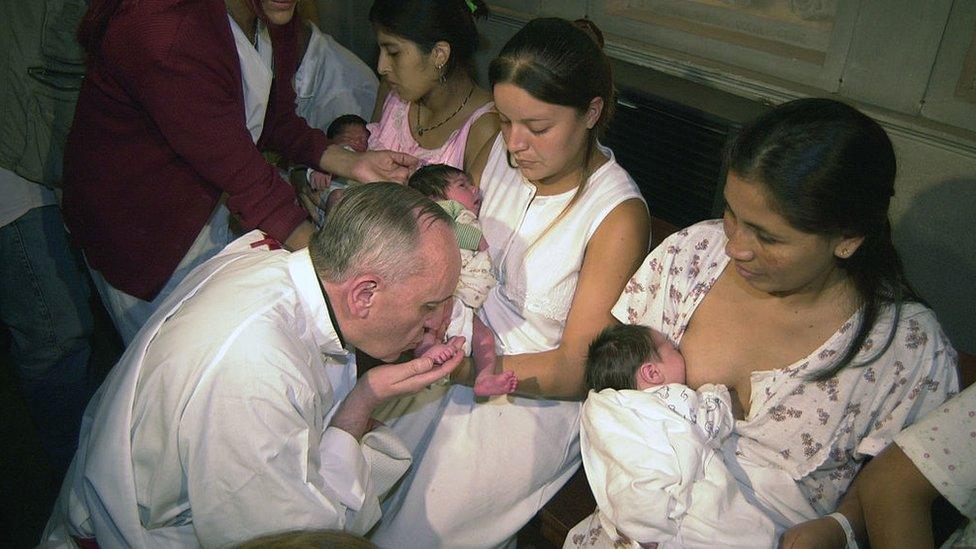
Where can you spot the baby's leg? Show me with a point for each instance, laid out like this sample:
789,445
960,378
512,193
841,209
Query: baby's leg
486,382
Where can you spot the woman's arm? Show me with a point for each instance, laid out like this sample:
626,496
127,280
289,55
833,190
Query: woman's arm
826,532
613,253
896,500
480,137
889,504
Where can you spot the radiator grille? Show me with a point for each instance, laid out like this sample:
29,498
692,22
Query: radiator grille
673,152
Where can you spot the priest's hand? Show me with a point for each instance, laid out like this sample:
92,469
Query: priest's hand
388,381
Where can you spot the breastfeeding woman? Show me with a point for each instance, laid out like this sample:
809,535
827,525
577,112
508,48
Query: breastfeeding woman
177,102
796,301
566,226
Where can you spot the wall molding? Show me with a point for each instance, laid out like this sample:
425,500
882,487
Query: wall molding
760,88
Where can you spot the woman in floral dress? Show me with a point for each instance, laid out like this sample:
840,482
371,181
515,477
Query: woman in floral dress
796,301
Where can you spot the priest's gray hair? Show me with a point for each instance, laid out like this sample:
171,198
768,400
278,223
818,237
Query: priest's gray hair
374,228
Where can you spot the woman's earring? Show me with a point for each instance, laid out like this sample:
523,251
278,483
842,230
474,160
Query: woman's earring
443,76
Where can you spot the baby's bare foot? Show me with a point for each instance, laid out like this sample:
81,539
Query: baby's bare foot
489,384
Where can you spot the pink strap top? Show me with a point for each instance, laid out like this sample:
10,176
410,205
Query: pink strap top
392,132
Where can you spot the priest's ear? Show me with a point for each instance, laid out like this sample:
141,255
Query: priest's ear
362,294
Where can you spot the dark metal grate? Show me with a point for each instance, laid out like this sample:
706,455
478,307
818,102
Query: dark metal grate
673,152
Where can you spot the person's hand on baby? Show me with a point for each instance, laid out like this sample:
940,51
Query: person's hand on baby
368,166
372,166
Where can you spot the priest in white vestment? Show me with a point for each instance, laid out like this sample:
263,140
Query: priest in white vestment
236,411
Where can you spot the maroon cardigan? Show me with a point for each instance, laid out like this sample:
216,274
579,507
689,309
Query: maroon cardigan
160,133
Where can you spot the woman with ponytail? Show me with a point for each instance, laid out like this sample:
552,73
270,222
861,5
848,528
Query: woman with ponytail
566,226
178,100
796,301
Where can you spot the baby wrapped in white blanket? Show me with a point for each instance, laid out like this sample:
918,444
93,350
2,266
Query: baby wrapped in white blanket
651,452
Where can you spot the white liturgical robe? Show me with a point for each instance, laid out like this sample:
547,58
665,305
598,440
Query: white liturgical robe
214,426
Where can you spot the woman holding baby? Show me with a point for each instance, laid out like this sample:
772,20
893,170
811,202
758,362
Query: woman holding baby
566,226
796,301
429,105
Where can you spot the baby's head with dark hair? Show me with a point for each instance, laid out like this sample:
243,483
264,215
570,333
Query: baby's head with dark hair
440,182
433,180
349,130
630,356
341,122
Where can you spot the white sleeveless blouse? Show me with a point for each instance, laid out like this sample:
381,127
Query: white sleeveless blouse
537,280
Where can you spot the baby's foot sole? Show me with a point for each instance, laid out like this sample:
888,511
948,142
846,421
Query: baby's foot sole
495,384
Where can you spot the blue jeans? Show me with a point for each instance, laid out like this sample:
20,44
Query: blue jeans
44,304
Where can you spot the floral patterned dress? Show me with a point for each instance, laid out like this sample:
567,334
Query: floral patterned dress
802,441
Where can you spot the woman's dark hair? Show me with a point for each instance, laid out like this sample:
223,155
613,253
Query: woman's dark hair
427,22
590,28
433,180
614,357
557,62
829,170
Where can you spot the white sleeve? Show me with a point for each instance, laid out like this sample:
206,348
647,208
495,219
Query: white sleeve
258,458
942,446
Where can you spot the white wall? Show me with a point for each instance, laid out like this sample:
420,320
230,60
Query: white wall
934,219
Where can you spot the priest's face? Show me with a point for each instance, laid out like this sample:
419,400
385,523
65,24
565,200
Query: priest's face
403,310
